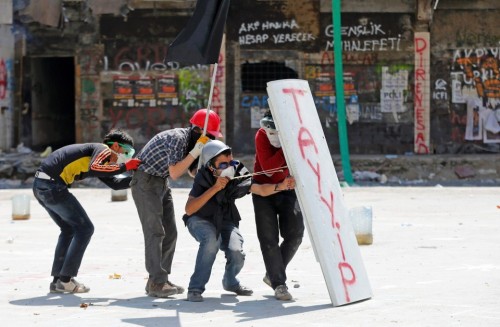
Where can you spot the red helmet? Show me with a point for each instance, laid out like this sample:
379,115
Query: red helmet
213,126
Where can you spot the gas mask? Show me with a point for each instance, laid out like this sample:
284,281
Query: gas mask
273,137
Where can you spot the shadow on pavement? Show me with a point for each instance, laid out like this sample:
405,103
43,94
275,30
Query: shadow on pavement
245,310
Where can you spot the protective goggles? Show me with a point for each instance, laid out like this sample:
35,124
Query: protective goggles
128,150
224,165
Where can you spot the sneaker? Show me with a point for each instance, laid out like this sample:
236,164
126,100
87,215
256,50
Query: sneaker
161,290
240,290
70,287
267,281
281,293
194,296
52,288
180,289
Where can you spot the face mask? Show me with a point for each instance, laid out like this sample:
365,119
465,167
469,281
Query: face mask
120,157
228,172
273,137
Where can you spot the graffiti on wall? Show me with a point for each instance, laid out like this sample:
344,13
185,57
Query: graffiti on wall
440,91
475,84
422,97
276,25
3,79
370,32
147,95
257,105
6,81
479,70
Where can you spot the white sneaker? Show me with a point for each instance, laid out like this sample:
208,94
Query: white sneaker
71,287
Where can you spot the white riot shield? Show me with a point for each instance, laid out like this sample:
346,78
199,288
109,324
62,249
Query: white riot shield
318,190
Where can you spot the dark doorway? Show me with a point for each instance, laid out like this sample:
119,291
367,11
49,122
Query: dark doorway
52,102
254,76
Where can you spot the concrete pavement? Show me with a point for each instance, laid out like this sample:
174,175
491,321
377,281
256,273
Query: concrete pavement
435,261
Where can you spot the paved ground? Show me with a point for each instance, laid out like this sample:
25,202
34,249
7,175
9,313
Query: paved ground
435,261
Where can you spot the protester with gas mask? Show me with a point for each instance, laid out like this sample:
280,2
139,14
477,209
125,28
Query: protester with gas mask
212,217
276,214
170,153
50,187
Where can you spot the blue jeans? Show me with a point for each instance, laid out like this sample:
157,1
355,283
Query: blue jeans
274,215
230,241
69,215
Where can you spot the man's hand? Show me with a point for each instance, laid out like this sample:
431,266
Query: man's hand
288,183
196,151
221,183
132,164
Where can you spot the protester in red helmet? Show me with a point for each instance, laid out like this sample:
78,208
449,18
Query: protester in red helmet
168,154
213,125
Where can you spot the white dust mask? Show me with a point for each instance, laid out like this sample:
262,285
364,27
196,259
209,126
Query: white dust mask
273,137
228,172
120,157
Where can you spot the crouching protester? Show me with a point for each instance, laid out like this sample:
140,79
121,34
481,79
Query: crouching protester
212,217
50,187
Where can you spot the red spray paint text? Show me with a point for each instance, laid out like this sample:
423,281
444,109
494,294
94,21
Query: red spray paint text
309,149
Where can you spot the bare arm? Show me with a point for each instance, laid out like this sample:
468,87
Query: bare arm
269,189
194,204
177,170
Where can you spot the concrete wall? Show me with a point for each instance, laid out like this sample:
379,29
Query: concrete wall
292,39
379,58
378,52
465,80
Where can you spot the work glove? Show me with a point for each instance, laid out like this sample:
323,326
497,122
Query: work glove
196,151
132,164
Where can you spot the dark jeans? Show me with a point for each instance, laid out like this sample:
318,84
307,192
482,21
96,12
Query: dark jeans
69,215
274,215
155,206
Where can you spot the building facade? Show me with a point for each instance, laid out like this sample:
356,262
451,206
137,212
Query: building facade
420,76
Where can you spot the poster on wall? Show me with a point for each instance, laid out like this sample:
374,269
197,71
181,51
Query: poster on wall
123,91
321,79
144,92
394,88
492,124
474,127
167,86
456,87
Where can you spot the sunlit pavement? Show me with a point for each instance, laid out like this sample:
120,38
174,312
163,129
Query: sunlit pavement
434,261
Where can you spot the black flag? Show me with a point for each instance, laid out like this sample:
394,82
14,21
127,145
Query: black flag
199,42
